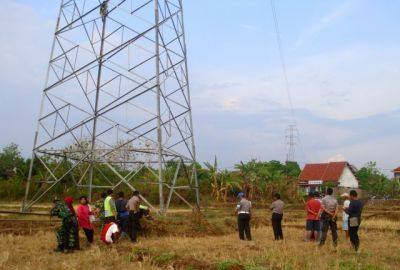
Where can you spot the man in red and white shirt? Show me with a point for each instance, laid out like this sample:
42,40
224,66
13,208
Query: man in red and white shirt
110,233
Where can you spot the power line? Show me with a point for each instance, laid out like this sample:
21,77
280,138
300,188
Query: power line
282,60
292,133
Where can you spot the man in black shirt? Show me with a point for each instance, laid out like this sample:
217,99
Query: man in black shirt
122,213
354,212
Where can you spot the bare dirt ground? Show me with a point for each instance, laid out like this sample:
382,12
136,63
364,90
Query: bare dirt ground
183,240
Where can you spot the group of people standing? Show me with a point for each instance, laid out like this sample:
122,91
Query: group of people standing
321,217
117,216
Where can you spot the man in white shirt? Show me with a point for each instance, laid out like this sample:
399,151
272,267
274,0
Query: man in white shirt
243,211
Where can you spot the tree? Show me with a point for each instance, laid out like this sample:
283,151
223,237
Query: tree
214,181
249,173
292,169
393,187
372,180
228,184
11,162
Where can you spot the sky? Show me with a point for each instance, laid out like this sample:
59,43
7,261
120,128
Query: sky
342,61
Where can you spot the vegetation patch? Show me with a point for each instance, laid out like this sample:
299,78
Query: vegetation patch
229,265
163,259
143,254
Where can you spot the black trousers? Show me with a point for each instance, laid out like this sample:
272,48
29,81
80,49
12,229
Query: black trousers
76,232
355,241
124,224
133,225
244,226
277,226
89,234
328,223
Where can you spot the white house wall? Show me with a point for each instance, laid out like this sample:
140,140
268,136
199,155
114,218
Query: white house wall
347,179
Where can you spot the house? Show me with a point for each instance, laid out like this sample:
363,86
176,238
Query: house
396,173
340,174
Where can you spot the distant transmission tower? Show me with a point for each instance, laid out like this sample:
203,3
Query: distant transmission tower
291,138
291,133
116,100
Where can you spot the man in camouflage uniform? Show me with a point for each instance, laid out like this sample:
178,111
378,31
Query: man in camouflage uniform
66,233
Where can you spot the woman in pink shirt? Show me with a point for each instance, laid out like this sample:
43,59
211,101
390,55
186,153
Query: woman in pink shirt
83,213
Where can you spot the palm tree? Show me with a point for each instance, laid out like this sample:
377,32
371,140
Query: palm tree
228,183
248,171
215,185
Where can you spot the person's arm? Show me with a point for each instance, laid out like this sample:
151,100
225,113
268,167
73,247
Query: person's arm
336,211
272,206
350,209
113,207
237,208
319,212
322,209
308,209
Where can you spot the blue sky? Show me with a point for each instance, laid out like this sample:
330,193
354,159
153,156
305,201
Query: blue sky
342,60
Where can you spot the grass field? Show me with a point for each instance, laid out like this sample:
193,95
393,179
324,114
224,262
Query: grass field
183,240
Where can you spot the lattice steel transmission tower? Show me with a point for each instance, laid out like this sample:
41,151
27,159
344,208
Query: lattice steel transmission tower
291,138
116,98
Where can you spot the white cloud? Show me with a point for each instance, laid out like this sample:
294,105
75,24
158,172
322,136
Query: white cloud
349,83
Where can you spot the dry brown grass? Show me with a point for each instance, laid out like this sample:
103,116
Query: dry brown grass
379,249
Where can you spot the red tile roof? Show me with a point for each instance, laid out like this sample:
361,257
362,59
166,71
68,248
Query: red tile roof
327,172
397,169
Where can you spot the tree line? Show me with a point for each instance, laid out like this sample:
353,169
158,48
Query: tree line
259,179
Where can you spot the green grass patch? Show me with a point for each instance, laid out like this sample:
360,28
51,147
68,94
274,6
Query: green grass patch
229,265
163,259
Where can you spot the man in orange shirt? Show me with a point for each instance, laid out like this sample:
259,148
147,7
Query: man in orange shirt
313,207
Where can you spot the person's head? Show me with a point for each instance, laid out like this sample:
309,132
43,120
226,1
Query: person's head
329,191
69,200
110,192
277,196
135,193
311,194
83,200
121,194
353,194
104,194
241,195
